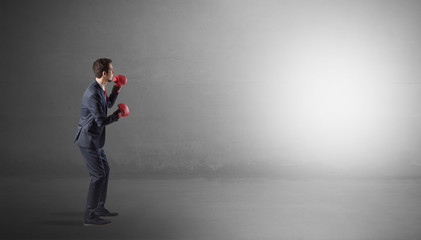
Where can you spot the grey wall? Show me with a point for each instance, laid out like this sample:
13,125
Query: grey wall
215,85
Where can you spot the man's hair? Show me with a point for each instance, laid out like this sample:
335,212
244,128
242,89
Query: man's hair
101,65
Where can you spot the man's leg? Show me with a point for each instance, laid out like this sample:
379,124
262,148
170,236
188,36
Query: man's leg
101,210
98,175
104,184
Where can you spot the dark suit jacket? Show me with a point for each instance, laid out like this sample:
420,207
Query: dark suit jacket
93,116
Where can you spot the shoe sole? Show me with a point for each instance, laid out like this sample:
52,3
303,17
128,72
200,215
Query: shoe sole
92,224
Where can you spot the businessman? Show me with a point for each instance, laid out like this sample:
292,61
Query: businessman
90,137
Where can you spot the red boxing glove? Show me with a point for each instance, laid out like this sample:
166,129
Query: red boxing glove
122,111
119,80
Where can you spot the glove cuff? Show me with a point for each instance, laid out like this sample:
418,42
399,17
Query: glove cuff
116,89
117,114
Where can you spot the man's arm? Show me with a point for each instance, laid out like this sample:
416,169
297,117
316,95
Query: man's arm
100,117
119,81
112,98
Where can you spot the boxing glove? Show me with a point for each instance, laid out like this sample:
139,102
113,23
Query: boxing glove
119,81
122,111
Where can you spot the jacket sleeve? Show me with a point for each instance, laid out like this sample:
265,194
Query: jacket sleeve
112,98
99,115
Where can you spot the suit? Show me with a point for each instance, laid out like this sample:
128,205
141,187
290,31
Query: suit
90,131
90,137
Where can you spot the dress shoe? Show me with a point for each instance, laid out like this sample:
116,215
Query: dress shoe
96,221
105,213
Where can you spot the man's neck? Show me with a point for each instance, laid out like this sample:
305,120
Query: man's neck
101,82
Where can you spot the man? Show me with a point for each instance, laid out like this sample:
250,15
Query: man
90,137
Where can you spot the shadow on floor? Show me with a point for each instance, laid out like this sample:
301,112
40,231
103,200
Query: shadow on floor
63,219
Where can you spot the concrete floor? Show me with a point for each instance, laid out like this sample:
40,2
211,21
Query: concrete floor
42,208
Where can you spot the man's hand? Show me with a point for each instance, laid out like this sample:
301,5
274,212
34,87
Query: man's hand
119,81
122,111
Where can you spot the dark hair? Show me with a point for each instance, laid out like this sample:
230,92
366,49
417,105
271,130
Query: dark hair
101,65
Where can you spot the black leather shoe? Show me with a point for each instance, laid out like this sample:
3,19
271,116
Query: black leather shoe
105,213
96,221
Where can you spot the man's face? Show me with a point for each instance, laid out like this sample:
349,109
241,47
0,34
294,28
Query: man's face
110,74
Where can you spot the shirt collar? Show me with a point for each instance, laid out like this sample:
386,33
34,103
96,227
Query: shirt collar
102,86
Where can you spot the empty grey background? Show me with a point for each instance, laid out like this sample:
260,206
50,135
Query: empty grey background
199,74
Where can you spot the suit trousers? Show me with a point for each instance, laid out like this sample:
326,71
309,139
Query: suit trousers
98,169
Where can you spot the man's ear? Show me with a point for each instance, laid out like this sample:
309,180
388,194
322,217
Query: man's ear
104,73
